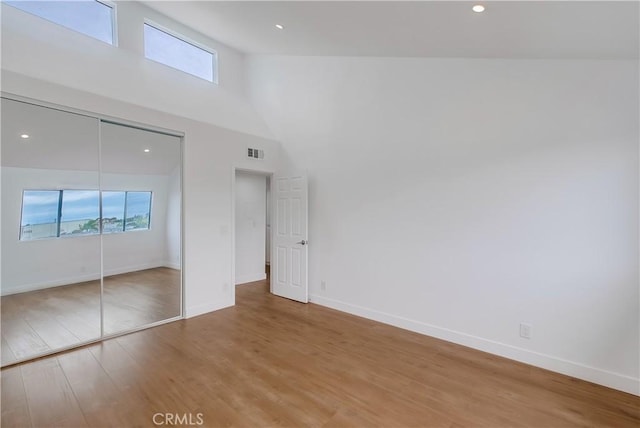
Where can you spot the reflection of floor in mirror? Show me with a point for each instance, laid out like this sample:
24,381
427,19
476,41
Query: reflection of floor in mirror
41,321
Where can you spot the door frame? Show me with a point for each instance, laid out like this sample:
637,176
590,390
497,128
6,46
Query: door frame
265,173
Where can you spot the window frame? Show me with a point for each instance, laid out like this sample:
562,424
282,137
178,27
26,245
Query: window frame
60,210
100,218
114,21
58,214
187,40
126,202
124,219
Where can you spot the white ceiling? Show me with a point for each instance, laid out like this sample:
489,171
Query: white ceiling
66,141
57,140
122,151
507,29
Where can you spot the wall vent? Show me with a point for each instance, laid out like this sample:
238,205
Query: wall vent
255,153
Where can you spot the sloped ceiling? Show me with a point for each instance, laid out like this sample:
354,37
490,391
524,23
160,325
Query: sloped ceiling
507,29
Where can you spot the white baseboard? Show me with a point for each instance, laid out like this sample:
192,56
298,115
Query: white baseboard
170,265
194,311
134,268
242,279
601,377
76,279
50,284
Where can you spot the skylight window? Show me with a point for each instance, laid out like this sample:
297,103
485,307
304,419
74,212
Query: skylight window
174,51
89,17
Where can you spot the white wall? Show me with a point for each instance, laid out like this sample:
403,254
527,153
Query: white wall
43,50
250,224
174,200
459,198
49,63
32,265
137,250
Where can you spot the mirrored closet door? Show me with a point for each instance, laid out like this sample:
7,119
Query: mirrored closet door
140,183
50,236
90,229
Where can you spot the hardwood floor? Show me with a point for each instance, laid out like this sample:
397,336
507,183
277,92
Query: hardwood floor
269,361
138,298
45,320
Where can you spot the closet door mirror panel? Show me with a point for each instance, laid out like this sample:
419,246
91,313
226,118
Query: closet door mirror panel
141,194
50,231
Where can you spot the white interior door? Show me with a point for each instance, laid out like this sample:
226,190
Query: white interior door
289,234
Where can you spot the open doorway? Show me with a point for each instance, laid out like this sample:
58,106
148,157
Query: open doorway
287,194
252,226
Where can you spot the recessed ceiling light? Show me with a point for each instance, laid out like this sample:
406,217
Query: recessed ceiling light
478,8
147,150
280,26
24,136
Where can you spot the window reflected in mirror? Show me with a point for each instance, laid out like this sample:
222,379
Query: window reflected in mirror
91,229
51,259
141,226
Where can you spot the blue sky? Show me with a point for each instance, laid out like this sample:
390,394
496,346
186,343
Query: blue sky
86,16
138,203
169,50
112,204
80,205
39,207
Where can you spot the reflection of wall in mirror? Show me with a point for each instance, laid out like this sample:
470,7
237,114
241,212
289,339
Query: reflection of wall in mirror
172,255
36,264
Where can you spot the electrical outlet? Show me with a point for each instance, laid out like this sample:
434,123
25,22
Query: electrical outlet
525,330
323,286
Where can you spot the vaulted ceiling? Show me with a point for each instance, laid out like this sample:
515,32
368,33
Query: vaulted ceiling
507,29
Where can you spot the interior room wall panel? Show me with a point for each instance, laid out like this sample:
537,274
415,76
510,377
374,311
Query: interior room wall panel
461,198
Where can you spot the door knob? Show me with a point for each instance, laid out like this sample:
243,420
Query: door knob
303,242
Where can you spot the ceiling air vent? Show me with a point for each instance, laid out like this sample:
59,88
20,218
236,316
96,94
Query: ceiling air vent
255,153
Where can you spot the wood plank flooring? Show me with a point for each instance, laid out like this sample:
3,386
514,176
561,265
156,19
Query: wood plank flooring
269,362
41,321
